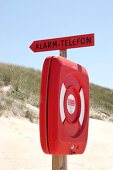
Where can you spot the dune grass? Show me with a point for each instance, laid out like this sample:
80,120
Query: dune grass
25,82
26,88
102,99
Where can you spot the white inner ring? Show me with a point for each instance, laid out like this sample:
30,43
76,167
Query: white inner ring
71,104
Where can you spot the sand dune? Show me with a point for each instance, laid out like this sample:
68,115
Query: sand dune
20,147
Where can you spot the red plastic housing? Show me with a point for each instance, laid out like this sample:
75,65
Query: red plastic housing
64,107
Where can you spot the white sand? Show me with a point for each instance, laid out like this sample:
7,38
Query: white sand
20,147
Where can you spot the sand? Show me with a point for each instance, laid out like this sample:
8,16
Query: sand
20,147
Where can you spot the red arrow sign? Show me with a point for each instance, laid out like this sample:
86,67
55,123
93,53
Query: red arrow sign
63,43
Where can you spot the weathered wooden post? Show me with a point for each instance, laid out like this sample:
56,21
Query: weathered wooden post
60,162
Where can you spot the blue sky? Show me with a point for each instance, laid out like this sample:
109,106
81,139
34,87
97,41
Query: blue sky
22,22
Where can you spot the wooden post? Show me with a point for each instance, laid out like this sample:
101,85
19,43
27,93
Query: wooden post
59,162
63,53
